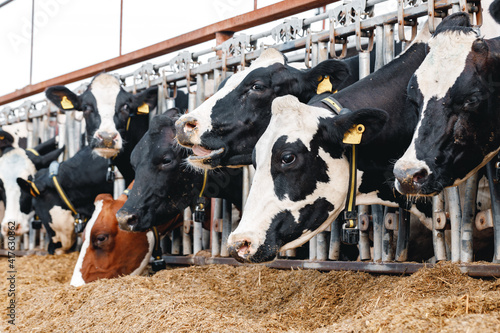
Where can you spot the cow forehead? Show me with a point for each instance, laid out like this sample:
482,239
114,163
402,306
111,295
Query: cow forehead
296,120
267,58
105,89
15,164
445,63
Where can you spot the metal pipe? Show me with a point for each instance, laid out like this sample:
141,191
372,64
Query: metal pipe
364,236
378,222
387,240
468,218
495,208
438,218
186,239
334,249
453,200
403,235
214,227
226,226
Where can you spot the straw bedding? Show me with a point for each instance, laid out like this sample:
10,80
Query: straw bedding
250,299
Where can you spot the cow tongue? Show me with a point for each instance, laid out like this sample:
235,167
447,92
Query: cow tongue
200,151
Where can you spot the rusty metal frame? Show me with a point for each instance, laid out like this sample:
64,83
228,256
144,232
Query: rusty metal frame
237,23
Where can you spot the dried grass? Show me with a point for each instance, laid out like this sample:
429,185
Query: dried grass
251,299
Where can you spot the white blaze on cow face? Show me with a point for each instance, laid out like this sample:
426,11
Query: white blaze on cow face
77,279
15,164
299,122
105,89
203,113
435,77
62,223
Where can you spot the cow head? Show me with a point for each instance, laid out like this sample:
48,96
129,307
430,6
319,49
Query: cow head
57,218
107,109
301,179
456,94
225,128
163,185
19,163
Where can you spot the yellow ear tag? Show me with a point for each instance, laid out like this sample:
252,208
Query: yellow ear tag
353,135
2,137
66,103
144,109
325,85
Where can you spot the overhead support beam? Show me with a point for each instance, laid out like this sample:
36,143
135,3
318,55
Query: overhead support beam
241,22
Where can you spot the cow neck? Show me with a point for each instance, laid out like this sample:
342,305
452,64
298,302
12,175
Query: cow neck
79,222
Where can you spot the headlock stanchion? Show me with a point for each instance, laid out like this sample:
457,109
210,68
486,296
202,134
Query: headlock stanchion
348,24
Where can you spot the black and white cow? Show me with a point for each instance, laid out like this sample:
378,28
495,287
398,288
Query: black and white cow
302,169
165,185
82,178
224,129
18,162
456,93
115,119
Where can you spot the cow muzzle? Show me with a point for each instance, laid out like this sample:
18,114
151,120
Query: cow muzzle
187,130
107,144
410,180
240,251
127,221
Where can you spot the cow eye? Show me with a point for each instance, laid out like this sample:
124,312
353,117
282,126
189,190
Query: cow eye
125,108
257,87
288,158
100,240
166,161
471,101
88,109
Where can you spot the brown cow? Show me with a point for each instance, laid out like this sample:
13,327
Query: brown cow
108,251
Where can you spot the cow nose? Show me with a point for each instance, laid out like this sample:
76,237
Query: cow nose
240,250
410,180
185,129
127,221
107,139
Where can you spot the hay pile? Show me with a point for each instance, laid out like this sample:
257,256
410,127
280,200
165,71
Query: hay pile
251,299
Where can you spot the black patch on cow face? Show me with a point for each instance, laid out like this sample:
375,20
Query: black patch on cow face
241,117
163,186
284,228
460,129
296,170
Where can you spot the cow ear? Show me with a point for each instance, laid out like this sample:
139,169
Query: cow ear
145,101
43,161
63,98
453,21
173,113
372,120
28,186
328,75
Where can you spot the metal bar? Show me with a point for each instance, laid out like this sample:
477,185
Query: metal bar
364,235
387,240
334,249
5,3
479,270
403,235
495,208
175,247
453,199
378,222
186,239
438,215
468,218
32,39
241,22
226,226
215,236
